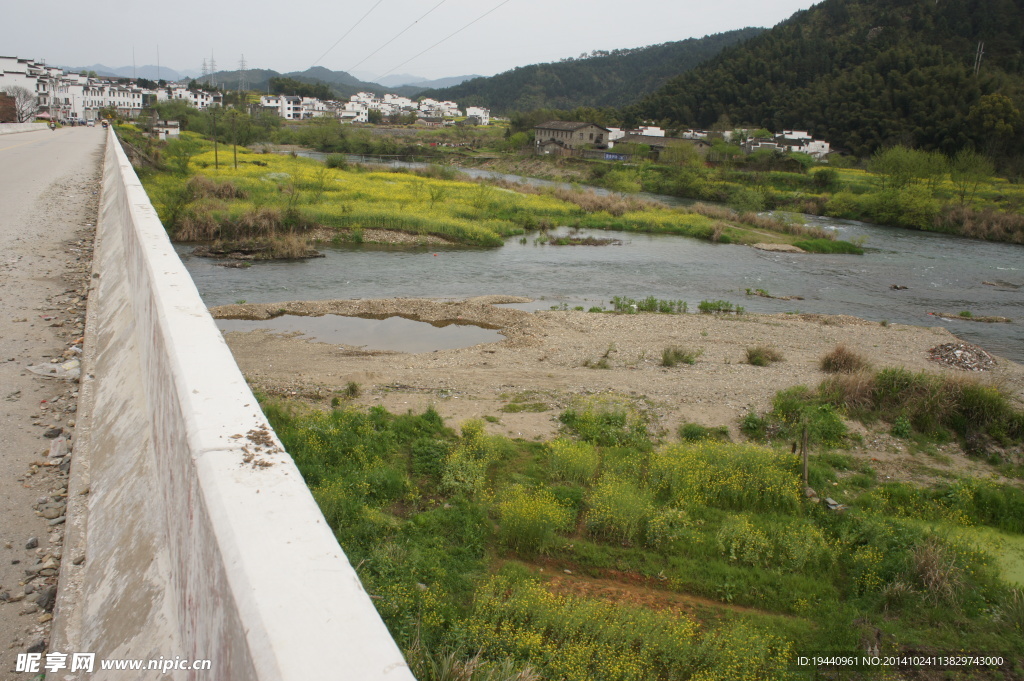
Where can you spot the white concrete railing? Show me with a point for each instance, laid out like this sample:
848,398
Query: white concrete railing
8,128
200,540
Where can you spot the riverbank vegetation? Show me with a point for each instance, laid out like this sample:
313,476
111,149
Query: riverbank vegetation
898,186
272,205
612,553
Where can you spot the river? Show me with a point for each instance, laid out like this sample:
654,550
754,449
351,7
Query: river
941,274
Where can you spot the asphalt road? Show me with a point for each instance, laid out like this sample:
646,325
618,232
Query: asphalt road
49,191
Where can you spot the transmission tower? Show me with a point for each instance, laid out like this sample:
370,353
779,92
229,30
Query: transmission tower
205,72
243,77
978,56
213,69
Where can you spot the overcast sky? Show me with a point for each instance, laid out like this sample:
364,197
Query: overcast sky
292,36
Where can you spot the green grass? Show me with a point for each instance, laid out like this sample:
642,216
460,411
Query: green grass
829,246
694,432
461,535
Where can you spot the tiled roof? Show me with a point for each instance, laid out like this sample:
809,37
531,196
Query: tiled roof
563,125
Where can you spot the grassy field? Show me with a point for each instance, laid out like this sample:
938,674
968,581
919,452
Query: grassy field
610,554
276,203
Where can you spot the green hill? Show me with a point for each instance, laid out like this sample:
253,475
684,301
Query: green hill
341,84
865,74
602,79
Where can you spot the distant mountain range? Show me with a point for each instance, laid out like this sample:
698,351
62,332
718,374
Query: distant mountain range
149,71
344,84
400,79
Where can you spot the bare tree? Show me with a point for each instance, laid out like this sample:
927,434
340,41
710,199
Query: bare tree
25,102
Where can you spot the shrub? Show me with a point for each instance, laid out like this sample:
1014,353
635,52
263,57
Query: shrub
1013,609
844,205
573,461
465,468
842,360
744,200
648,304
762,356
911,206
825,179
709,306
192,224
761,543
205,187
530,519
725,475
798,407
901,427
675,354
694,432
336,161
932,404
937,572
618,509
606,421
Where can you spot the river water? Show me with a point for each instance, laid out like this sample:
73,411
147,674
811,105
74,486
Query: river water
941,273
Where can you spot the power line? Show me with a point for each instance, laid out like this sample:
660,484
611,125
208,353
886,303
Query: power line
397,35
346,34
504,2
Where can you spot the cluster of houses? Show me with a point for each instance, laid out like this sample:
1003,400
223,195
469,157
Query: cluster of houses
566,138
359,106
73,97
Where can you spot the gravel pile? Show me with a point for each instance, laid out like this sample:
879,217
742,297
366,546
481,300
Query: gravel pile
962,356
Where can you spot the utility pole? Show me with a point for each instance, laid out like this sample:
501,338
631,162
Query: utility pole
216,158
234,137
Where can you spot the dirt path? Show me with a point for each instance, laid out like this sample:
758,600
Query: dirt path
49,184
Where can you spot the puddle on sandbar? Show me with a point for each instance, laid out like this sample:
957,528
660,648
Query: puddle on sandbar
391,333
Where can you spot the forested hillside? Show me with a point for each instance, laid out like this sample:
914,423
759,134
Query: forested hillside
865,74
318,82
603,79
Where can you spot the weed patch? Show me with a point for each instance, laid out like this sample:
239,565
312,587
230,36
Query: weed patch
606,421
842,360
694,432
762,356
674,354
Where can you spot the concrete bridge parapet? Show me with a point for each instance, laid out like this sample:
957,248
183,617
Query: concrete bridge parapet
191,533
9,128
